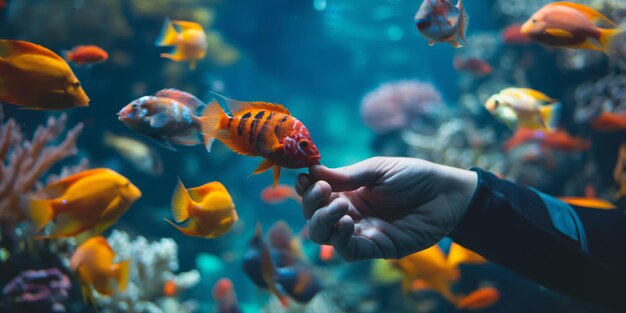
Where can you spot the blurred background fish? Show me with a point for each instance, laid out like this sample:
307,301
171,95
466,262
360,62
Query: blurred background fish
142,157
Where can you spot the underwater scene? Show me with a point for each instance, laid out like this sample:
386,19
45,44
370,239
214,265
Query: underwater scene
161,156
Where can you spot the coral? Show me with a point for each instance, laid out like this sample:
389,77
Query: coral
397,105
24,162
42,290
605,95
153,264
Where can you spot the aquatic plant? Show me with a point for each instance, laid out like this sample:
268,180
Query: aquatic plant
37,291
24,162
396,105
153,264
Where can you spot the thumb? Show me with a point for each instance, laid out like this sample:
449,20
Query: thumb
346,178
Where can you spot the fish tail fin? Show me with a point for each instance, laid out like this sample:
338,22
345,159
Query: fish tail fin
551,114
39,211
123,275
612,40
168,35
181,202
210,123
88,296
463,21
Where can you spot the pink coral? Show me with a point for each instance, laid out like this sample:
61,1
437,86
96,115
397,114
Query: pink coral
25,161
396,105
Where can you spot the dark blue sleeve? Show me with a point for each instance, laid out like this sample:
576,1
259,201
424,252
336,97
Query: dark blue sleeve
580,252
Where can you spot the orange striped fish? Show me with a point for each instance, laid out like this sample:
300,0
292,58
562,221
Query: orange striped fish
260,129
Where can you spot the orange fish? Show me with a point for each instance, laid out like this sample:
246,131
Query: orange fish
592,203
513,35
260,129
609,121
209,210
475,66
36,78
572,25
188,38
86,55
278,194
559,140
479,299
93,263
91,200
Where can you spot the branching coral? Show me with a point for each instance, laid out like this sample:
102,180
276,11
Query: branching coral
153,264
25,161
40,291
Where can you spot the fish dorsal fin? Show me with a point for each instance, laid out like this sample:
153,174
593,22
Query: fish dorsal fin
198,193
537,95
12,48
593,15
57,188
185,98
236,106
186,25
557,32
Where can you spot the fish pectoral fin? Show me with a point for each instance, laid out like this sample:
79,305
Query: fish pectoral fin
454,42
112,207
159,120
560,33
264,166
181,203
269,143
163,143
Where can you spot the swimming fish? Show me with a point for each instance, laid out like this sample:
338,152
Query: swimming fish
572,25
326,252
143,158
585,202
559,140
260,129
512,35
259,266
36,78
90,200
429,269
170,116
440,21
93,264
225,297
188,39
279,194
609,121
86,55
208,210
475,66
524,107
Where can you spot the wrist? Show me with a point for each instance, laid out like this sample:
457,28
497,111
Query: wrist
459,187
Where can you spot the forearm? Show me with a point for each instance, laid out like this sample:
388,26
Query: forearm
561,248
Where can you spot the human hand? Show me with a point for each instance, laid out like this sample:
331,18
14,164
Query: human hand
384,207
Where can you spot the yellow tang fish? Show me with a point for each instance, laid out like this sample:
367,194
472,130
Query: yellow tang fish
91,200
209,210
93,263
188,38
36,78
524,107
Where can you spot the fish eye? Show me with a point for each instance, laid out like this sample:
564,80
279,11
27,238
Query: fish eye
304,144
127,184
76,84
534,21
135,107
496,103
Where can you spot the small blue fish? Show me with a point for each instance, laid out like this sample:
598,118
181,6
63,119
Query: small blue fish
170,116
279,267
440,21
